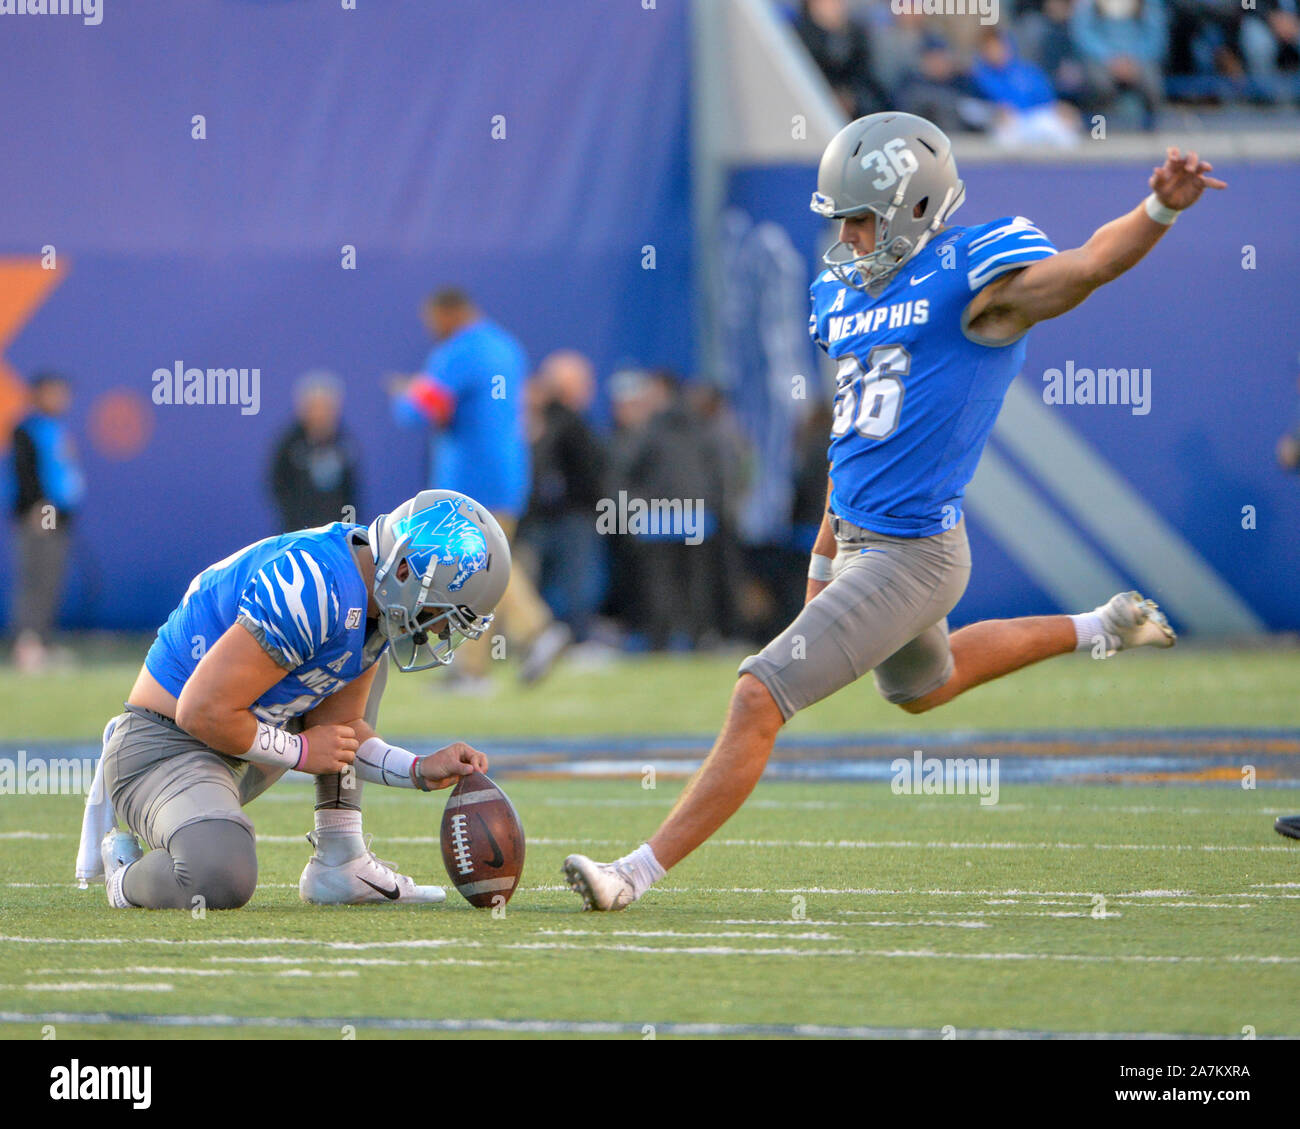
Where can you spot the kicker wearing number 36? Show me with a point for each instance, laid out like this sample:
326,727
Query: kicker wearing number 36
926,323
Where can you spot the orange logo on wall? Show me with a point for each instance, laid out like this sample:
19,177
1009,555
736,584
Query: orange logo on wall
24,286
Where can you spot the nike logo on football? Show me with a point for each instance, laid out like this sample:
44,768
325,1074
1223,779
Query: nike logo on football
922,278
498,859
392,895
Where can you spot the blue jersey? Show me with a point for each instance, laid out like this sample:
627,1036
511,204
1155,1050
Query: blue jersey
483,451
915,397
301,596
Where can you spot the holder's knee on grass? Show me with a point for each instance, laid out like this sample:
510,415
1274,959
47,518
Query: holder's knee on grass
215,860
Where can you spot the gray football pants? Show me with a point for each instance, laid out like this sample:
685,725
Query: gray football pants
185,800
884,611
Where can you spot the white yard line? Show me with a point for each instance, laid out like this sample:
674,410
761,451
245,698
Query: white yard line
847,844
85,986
575,1027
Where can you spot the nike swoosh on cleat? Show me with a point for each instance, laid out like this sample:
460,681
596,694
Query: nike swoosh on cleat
392,895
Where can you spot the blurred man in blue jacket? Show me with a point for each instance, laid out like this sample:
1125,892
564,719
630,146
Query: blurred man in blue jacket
47,489
471,392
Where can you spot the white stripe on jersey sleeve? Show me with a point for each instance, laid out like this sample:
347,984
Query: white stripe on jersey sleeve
1007,260
322,591
1018,226
290,629
1004,248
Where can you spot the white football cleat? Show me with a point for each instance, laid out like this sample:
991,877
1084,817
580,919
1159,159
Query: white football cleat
362,881
600,885
118,850
1134,622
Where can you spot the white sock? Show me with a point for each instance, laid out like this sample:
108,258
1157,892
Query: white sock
642,867
1087,628
116,898
338,835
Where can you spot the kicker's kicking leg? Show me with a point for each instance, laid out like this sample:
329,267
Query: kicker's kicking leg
987,650
713,796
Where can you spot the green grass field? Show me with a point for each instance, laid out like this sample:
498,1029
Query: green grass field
1184,688
1076,908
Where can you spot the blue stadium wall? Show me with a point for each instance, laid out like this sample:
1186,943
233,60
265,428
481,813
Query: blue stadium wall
325,127
1221,341
373,128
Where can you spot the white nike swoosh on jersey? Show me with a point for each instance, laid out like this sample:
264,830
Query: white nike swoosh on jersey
922,278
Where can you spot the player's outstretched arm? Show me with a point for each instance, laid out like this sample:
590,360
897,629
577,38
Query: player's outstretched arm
1008,306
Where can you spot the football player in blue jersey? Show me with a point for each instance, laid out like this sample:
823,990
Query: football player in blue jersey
927,324
275,660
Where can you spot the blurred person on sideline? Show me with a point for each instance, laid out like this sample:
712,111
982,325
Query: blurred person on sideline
47,489
471,394
632,401
672,461
568,482
314,468
729,451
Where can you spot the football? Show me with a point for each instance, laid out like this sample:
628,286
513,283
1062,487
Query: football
482,842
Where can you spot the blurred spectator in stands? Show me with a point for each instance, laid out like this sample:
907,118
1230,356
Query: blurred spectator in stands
471,393
568,482
314,468
841,48
1270,42
1043,34
1122,43
896,47
939,88
1027,110
1206,55
48,487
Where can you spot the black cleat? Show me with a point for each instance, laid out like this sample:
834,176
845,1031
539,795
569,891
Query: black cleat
1288,825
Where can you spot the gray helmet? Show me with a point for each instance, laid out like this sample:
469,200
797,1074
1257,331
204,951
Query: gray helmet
898,166
441,566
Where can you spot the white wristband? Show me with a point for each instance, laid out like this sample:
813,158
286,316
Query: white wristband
819,567
276,748
381,763
1158,212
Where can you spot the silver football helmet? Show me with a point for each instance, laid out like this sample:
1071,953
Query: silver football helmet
899,167
441,565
